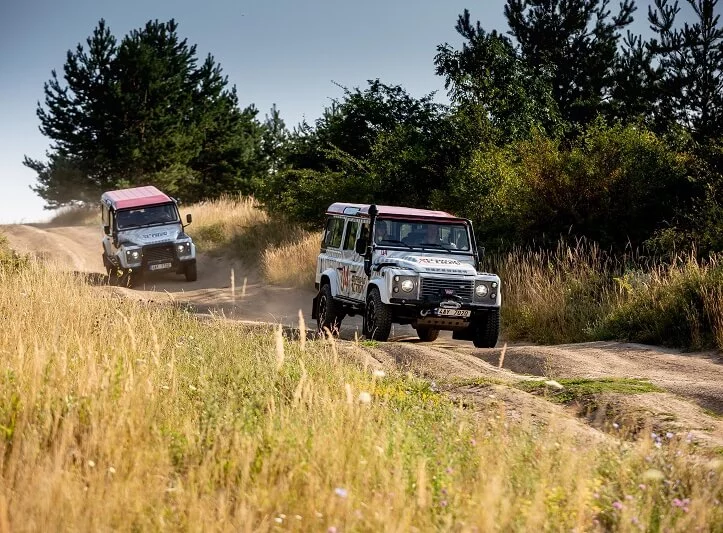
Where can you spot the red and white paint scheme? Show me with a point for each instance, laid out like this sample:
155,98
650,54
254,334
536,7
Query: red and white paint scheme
143,233
408,266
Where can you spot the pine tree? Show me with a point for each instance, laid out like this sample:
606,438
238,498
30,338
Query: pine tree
143,111
691,59
576,42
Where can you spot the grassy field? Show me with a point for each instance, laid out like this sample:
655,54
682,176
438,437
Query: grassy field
119,415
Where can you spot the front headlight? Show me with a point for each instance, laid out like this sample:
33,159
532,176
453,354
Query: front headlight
133,256
481,290
183,248
407,285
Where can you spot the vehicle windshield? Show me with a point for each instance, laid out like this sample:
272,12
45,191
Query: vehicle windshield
452,237
147,216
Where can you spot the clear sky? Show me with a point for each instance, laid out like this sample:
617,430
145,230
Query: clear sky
286,52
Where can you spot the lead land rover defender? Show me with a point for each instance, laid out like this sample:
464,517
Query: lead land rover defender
405,266
143,233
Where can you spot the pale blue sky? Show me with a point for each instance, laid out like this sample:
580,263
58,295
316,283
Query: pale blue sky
275,51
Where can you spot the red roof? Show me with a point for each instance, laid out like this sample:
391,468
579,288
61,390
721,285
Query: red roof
387,211
135,197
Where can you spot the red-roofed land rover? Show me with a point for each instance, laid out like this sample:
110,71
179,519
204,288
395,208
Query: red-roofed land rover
143,233
405,266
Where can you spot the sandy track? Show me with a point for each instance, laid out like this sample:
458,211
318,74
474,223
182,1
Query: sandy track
696,377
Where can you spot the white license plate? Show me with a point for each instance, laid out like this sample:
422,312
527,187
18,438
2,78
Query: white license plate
160,266
458,313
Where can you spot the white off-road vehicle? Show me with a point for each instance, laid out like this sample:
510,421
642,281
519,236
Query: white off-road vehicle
142,232
405,266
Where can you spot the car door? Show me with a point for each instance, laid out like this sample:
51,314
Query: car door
350,267
330,257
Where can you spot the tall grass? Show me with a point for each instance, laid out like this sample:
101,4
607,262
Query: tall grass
117,415
280,249
292,264
581,293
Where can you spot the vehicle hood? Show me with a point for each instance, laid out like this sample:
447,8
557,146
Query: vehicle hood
151,235
424,262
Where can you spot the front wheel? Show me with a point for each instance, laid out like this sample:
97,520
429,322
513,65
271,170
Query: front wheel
487,329
427,334
191,272
377,318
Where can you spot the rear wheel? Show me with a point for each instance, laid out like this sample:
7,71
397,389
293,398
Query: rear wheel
377,318
190,271
487,329
329,314
427,334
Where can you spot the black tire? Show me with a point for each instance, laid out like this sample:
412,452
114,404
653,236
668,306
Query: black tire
329,313
427,334
487,329
190,271
377,318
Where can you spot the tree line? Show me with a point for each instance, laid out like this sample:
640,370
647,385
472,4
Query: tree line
566,124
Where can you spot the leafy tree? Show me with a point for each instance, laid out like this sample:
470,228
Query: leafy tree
616,185
143,111
274,141
374,145
489,73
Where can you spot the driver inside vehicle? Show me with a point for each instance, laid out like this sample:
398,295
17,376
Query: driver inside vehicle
380,231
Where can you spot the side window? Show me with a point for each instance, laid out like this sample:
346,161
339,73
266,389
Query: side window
334,232
352,227
104,214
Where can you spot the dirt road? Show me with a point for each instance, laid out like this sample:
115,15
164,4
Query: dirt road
693,381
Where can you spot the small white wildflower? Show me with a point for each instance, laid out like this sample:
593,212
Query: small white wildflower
669,435
365,397
379,373
341,492
282,516
111,470
278,520
192,388
298,516
554,384
91,463
616,425
318,514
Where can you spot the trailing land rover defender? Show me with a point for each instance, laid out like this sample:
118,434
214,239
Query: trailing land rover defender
142,232
404,266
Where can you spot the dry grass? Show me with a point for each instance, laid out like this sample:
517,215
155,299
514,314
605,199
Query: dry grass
127,416
580,293
284,253
292,264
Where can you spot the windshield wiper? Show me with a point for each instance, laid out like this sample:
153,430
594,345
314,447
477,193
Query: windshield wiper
435,245
396,242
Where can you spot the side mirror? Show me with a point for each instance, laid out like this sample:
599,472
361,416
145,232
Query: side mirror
361,246
106,229
481,252
189,218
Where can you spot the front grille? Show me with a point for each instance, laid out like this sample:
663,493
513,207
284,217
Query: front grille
152,254
432,288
